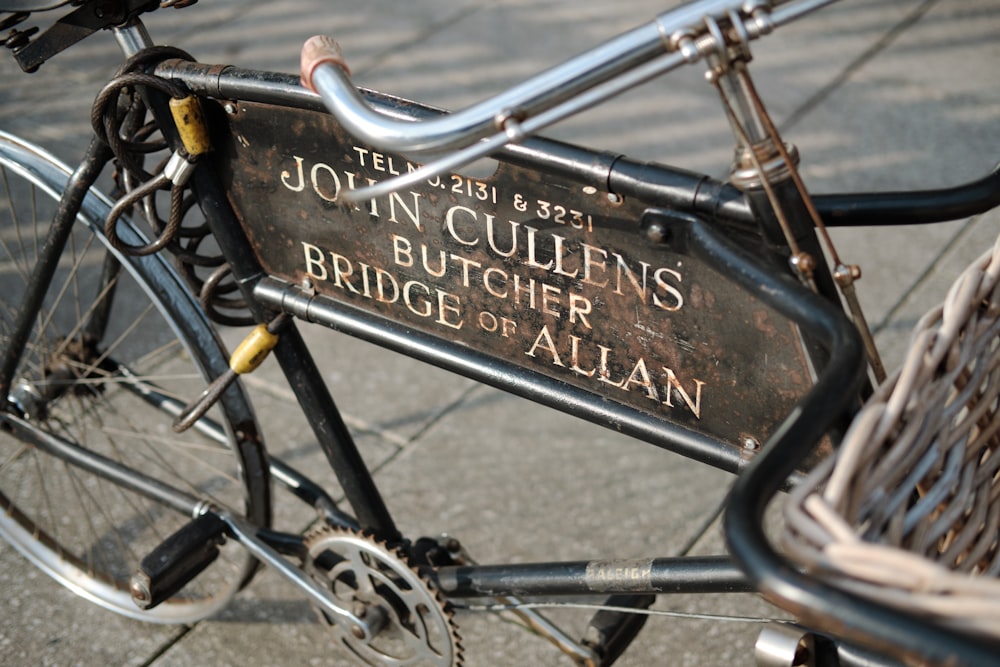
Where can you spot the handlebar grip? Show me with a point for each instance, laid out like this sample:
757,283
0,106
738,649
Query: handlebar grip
319,50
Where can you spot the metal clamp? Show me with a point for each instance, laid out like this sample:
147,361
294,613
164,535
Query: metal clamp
178,169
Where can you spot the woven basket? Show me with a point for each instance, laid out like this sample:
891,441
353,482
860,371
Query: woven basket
907,510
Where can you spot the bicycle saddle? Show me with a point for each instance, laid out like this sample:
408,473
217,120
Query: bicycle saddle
30,5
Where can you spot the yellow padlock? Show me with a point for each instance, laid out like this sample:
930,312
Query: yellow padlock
253,350
190,124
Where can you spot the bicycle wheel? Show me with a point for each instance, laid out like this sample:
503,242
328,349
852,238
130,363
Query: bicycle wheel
116,349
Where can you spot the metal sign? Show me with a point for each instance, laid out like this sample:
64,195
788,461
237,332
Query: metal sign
537,270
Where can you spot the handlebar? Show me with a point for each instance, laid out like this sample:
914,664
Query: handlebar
331,80
683,35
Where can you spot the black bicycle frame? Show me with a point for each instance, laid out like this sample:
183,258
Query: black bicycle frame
665,194
678,213
705,575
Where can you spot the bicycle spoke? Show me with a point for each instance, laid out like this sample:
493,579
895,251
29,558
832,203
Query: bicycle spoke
46,503
22,269
116,344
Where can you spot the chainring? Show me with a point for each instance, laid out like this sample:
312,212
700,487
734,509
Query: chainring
370,577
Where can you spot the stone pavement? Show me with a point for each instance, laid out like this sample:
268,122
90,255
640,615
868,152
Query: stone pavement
877,94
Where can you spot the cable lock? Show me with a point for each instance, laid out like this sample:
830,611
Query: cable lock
247,357
193,133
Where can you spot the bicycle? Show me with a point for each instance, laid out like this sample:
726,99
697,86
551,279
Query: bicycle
98,375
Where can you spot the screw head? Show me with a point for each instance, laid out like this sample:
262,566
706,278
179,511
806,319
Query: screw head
847,274
657,232
803,263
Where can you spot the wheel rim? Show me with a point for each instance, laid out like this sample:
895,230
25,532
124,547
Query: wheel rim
84,531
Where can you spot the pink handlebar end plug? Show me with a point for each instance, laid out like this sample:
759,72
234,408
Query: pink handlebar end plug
316,51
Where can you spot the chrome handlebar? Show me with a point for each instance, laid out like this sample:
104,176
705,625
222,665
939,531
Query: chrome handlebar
683,35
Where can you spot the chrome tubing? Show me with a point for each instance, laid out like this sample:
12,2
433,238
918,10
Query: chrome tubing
487,117
133,37
487,146
505,114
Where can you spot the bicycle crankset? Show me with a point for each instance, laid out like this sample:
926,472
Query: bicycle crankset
414,624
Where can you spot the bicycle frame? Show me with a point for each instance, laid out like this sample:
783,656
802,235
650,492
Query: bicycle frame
670,213
274,293
237,94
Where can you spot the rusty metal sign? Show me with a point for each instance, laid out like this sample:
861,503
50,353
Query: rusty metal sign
534,269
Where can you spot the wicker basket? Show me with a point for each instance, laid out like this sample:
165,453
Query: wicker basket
907,510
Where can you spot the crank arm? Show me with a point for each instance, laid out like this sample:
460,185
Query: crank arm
186,553
238,528
246,535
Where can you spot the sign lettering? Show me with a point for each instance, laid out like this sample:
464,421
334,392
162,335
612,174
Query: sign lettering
543,272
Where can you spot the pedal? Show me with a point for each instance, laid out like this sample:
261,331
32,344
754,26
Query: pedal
178,560
610,632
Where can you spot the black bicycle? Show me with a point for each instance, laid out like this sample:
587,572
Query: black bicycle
712,319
